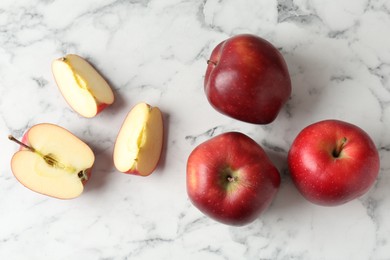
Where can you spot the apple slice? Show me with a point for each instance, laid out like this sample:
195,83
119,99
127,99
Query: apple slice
52,161
85,90
139,143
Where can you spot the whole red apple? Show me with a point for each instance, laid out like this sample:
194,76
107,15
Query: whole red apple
247,79
231,179
332,162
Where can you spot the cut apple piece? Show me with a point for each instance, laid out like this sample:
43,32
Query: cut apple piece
139,143
52,161
85,90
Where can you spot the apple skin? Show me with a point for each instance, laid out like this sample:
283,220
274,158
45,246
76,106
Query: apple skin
231,179
247,79
332,162
101,107
25,140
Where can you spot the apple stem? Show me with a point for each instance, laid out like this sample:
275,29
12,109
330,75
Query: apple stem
211,62
337,151
10,137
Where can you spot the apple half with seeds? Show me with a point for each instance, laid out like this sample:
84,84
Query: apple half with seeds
140,140
52,161
85,90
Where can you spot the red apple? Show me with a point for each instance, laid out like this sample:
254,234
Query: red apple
247,79
332,162
231,179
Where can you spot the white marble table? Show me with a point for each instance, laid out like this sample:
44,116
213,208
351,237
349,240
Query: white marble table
338,54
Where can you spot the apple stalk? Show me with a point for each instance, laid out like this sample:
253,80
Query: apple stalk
211,62
50,160
338,149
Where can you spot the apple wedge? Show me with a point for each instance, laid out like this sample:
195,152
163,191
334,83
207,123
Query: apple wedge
85,90
52,161
139,143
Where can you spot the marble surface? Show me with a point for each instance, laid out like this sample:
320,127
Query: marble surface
338,54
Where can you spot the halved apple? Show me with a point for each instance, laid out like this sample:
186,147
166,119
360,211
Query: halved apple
139,143
85,90
52,161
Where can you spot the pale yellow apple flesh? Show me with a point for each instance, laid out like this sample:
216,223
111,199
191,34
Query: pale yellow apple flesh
85,90
139,143
55,164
